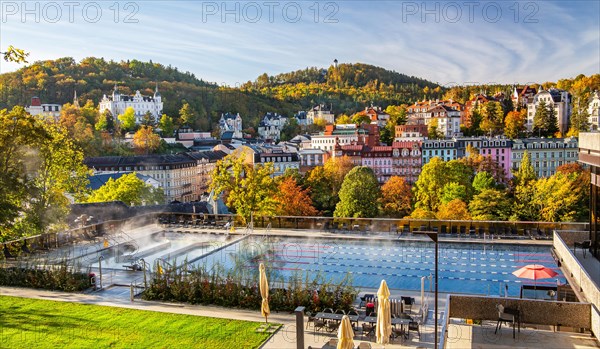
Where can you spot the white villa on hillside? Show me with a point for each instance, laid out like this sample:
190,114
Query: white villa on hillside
117,103
560,101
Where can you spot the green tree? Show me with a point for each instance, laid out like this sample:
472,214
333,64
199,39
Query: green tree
551,122
526,172
250,190
321,190
290,129
540,119
90,112
433,131
490,205
360,118
397,115
492,118
105,122
40,165
102,123
130,190
59,170
579,121
461,173
514,123
559,198
166,125
343,119
428,187
127,119
524,208
148,119
483,181
385,136
13,54
19,131
359,192
452,191
187,115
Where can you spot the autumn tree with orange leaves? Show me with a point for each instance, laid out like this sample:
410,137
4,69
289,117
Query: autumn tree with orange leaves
395,198
293,200
145,140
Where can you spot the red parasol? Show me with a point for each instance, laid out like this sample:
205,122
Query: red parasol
535,272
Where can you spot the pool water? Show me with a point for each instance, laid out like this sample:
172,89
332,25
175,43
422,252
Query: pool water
472,268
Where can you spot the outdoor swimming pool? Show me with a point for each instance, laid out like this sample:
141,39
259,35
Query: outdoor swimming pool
473,268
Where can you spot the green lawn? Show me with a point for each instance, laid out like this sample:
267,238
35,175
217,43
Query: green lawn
32,323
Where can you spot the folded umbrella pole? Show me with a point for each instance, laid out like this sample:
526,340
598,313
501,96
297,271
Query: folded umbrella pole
264,292
384,316
345,334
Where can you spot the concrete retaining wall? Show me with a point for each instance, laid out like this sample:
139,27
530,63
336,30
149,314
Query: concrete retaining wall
563,244
585,283
570,237
540,312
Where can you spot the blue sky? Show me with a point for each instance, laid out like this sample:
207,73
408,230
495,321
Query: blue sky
458,42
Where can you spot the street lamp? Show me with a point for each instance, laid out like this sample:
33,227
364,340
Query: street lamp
434,237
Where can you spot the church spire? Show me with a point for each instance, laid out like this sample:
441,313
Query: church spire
75,101
156,93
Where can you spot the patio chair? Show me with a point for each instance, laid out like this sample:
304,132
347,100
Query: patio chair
584,246
310,318
408,303
453,230
353,313
332,326
471,232
481,232
328,311
444,230
504,318
414,326
397,332
366,299
318,324
369,329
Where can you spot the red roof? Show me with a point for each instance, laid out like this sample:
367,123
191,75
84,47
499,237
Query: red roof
35,102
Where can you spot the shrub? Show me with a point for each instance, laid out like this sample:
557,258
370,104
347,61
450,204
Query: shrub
232,288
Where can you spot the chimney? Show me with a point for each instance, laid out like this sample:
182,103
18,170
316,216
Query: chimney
35,101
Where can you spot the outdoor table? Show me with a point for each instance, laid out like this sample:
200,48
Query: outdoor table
337,317
395,321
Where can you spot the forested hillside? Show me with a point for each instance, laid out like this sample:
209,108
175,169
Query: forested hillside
56,81
348,88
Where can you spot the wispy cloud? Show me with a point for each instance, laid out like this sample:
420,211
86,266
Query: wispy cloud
542,41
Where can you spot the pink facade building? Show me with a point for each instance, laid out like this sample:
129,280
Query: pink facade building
379,158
